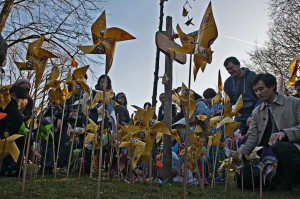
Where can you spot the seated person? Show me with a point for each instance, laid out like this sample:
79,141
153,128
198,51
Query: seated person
11,124
275,125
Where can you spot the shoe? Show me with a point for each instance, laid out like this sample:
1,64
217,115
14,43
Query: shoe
63,171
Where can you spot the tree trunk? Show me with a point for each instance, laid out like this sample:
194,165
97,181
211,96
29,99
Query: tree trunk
167,152
8,5
154,94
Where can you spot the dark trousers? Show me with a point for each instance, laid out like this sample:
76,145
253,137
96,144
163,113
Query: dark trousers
64,149
288,156
49,154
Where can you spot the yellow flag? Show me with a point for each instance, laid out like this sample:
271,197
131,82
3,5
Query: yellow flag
220,83
208,33
293,67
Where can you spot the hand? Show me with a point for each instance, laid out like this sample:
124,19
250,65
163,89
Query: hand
58,123
276,136
248,121
217,112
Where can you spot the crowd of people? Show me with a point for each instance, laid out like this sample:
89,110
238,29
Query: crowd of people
266,119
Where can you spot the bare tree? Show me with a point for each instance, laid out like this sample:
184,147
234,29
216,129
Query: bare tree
63,22
283,44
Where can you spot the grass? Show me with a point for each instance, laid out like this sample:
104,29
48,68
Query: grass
85,188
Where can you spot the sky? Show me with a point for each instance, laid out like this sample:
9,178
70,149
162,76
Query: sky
241,25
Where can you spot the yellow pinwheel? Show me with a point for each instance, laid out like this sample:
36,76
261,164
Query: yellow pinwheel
37,59
227,106
57,96
217,99
92,127
158,127
176,136
5,96
104,40
293,67
183,96
237,107
138,147
99,97
187,41
85,103
230,125
54,84
9,146
78,82
54,74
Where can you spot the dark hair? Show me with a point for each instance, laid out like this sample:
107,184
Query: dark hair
233,60
21,93
268,79
108,85
197,96
117,96
3,49
297,83
209,93
147,104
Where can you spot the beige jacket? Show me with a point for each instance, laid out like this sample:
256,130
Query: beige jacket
286,112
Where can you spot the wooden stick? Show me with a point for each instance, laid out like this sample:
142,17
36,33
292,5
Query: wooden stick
150,167
203,173
73,136
53,142
59,138
45,157
242,174
28,141
110,162
22,158
213,182
260,181
228,166
36,139
253,185
101,138
2,153
83,148
187,129
118,148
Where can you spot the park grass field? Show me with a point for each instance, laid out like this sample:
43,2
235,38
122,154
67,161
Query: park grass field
85,188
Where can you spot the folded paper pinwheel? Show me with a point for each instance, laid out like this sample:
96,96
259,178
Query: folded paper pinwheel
8,146
104,40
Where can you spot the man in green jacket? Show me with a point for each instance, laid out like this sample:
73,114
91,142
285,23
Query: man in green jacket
276,125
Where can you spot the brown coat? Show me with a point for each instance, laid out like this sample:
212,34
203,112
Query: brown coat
286,113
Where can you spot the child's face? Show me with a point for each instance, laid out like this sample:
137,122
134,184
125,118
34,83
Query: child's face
22,103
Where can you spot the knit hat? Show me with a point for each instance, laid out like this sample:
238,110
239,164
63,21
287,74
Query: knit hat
22,81
21,93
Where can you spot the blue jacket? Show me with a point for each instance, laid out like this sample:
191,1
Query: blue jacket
234,87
